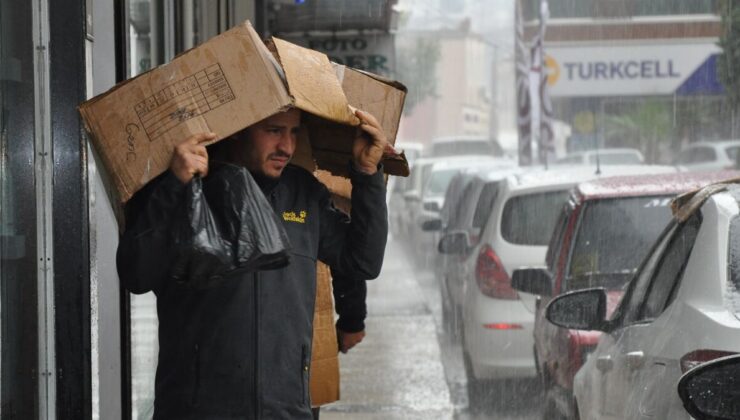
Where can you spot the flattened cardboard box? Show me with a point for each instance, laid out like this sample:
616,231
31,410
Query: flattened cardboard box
223,86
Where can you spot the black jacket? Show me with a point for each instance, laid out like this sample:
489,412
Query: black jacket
242,350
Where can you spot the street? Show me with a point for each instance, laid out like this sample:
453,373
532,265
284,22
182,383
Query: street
407,368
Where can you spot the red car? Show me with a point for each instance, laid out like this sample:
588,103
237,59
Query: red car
604,231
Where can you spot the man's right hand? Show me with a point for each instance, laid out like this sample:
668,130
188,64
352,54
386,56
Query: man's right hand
190,157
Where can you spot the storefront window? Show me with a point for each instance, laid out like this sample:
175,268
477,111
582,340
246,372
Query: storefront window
18,266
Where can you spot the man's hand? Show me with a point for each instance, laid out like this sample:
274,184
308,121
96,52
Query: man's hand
348,340
190,157
370,145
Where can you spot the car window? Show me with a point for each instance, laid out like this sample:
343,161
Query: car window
485,204
530,219
612,238
558,236
703,154
455,202
668,273
629,307
438,182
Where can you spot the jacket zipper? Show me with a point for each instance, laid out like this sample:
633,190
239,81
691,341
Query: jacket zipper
257,400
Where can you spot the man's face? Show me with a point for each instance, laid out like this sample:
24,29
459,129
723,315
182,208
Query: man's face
271,143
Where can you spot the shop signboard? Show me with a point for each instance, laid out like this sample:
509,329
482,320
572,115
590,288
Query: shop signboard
625,70
375,53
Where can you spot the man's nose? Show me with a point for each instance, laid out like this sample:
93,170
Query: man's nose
287,143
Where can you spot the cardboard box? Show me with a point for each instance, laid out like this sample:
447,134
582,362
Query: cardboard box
223,85
382,97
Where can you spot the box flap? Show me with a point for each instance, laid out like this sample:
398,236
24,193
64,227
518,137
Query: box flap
313,83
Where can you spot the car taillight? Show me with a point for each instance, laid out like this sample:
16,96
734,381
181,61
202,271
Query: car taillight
492,279
697,357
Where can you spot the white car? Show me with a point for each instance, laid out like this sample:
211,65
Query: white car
709,156
603,157
497,333
681,308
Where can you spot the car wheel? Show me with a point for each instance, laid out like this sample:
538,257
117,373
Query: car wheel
476,387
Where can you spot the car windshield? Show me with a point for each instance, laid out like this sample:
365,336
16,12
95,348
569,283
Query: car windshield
606,230
438,182
530,219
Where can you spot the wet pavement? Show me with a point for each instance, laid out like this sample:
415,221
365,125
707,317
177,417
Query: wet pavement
407,368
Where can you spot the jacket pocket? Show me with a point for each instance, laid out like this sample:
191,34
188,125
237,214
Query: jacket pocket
305,361
196,379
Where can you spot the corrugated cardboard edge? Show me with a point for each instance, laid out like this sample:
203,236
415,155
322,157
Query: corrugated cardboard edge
324,380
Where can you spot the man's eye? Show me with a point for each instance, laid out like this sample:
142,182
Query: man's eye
273,130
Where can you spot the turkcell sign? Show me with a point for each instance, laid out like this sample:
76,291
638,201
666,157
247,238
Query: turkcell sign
624,70
373,53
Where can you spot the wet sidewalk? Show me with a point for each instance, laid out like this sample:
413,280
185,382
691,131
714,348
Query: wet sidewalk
396,372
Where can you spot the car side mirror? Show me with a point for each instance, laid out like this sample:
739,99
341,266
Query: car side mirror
411,196
536,281
432,225
455,243
579,310
710,390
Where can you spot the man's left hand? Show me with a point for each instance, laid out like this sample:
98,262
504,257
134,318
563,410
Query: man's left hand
370,145
348,340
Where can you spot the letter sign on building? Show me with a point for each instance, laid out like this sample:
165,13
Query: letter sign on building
373,53
624,70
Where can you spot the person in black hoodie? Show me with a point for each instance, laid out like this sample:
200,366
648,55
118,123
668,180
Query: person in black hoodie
241,350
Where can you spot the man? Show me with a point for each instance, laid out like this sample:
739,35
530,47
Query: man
242,350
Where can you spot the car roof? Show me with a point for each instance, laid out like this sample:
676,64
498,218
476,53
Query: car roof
658,184
559,176
471,162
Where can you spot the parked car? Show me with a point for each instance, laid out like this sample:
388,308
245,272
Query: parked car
710,156
470,200
405,194
497,335
603,157
603,232
680,309
464,145
711,390
433,197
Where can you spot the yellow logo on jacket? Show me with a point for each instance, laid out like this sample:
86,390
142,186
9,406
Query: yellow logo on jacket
291,216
